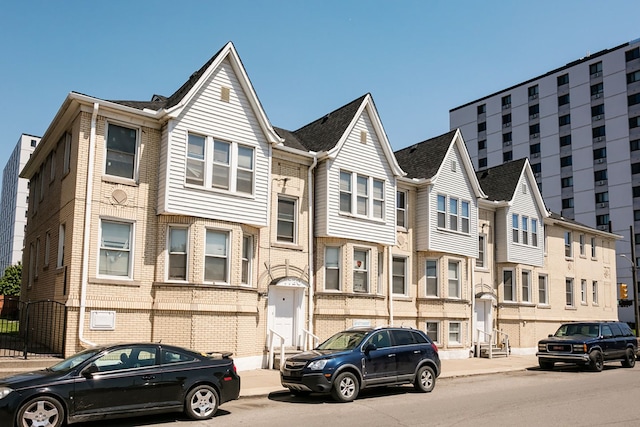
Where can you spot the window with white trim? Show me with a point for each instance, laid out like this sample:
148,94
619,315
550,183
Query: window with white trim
433,330
221,165
581,240
482,250
593,247
216,256
401,209
287,220
455,335
454,279
247,259
583,291
543,294
442,211
332,268
568,284
115,249
369,197
514,226
399,274
32,265
453,213
177,252
464,216
594,292
525,230
526,286
360,270
534,232
121,151
37,263
509,286
380,273
47,248
67,153
432,277
61,236
568,240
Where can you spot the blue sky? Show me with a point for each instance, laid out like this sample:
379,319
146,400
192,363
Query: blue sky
418,59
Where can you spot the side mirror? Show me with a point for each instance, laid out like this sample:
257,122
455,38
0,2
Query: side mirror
90,370
369,348
550,335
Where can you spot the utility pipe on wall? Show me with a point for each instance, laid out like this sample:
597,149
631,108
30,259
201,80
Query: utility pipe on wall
87,228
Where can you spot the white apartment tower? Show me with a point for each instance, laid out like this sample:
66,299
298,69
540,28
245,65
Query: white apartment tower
579,125
15,200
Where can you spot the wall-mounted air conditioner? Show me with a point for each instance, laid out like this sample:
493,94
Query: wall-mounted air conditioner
506,125
602,205
599,160
602,182
505,106
598,117
535,155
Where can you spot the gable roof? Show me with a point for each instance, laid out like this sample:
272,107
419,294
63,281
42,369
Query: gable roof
328,134
173,105
501,182
424,161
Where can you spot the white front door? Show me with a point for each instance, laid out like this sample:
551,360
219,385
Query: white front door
483,319
284,306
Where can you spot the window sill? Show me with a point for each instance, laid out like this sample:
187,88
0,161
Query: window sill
119,180
544,306
284,245
572,307
362,217
205,285
219,191
114,281
459,233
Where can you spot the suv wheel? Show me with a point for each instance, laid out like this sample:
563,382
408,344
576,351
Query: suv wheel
597,361
345,387
425,379
629,359
545,365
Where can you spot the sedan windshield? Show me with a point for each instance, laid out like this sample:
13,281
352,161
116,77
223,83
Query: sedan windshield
75,360
343,341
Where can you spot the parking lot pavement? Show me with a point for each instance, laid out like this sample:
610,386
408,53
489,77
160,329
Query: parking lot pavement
262,382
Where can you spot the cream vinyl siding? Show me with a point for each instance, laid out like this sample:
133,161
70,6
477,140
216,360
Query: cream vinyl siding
368,160
451,184
234,122
524,204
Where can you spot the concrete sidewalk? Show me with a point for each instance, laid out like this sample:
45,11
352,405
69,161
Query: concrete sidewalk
262,382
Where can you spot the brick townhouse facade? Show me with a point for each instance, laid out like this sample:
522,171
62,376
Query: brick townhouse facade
191,219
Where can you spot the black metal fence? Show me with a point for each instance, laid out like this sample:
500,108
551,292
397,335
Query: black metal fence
32,328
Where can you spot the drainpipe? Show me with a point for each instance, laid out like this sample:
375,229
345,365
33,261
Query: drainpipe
87,228
310,201
387,249
473,304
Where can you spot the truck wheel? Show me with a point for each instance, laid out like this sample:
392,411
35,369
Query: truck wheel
629,359
345,387
597,361
425,379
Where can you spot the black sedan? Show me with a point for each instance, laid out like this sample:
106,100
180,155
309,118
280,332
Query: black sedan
120,380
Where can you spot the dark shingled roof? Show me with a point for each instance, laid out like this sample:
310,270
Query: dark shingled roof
499,182
324,133
423,159
158,101
290,139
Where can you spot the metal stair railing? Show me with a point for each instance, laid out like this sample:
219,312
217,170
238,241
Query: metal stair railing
272,335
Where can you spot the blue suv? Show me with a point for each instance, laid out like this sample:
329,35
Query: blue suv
358,358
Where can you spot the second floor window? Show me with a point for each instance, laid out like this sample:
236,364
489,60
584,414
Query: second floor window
454,215
526,286
542,290
399,276
509,291
568,240
454,279
515,230
122,146
219,164
369,195
401,209
287,214
482,250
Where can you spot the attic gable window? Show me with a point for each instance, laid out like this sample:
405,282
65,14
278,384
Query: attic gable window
220,165
368,198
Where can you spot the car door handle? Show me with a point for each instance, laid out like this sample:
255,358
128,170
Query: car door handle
148,377
391,355
416,352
